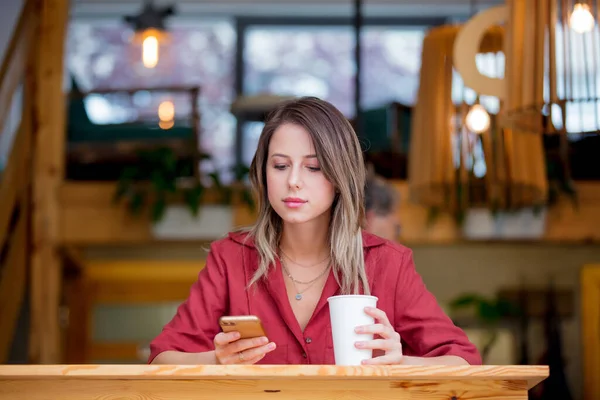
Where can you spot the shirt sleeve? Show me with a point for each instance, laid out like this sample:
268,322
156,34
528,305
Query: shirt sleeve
425,329
195,324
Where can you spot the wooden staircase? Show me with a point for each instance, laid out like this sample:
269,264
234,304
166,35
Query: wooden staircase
32,75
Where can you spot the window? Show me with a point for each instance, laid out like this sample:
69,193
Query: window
299,61
103,56
319,61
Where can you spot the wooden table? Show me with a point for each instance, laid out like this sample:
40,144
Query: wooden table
315,382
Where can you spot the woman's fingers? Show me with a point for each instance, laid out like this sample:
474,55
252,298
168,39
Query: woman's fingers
222,338
379,344
229,349
387,359
250,355
378,314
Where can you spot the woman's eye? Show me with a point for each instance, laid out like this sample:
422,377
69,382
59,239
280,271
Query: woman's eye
279,166
314,169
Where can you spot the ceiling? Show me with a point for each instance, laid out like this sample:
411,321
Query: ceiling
190,9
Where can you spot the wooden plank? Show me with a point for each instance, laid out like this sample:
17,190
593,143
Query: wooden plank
101,225
77,333
590,330
15,183
114,351
12,70
138,282
532,374
14,180
90,216
49,153
131,271
565,222
12,285
280,390
139,293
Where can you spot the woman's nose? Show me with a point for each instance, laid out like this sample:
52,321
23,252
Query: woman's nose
294,179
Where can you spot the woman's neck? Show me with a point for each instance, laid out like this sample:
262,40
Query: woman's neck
305,243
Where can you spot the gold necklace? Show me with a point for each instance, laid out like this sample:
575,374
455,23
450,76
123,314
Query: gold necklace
300,265
310,283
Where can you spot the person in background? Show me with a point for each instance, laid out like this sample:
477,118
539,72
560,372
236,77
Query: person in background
381,203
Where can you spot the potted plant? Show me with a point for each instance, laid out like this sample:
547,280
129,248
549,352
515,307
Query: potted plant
160,178
487,312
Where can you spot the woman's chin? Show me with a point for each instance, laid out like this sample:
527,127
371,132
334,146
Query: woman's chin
294,220
294,217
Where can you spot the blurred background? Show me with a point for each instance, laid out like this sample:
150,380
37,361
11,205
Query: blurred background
127,128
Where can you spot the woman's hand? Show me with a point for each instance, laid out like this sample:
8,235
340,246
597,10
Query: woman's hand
386,345
230,349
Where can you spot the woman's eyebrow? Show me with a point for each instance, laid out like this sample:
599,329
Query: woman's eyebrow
286,156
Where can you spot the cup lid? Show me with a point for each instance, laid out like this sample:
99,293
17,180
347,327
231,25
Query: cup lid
350,296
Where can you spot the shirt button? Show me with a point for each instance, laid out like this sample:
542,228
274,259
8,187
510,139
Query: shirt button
304,354
308,340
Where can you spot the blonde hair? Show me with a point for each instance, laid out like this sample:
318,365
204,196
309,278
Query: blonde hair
340,158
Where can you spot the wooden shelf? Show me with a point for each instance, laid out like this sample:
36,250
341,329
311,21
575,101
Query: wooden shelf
90,218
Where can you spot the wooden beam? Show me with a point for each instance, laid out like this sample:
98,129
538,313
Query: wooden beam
590,330
140,281
14,180
118,351
12,285
49,148
12,69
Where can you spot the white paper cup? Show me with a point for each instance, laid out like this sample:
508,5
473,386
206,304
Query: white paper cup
346,313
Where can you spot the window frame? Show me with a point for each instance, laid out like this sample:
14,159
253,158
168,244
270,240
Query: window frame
242,24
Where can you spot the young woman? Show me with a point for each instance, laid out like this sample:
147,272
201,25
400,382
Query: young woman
307,245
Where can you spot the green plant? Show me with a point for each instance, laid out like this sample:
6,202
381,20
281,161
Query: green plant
489,312
159,176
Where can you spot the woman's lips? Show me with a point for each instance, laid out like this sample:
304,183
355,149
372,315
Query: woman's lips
294,202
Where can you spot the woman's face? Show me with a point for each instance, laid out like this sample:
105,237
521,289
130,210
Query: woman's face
297,189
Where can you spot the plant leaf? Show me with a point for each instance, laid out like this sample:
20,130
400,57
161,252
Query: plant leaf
158,208
466,300
488,312
136,202
192,198
216,180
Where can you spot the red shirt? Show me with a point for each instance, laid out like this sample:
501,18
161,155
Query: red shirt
221,290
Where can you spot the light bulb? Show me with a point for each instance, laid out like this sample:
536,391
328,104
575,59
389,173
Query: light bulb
150,51
478,119
166,125
166,111
581,20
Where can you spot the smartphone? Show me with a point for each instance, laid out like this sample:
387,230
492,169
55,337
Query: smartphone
249,326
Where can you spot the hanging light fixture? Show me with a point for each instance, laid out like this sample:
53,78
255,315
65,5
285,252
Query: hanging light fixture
460,156
477,119
553,61
581,20
150,31
451,164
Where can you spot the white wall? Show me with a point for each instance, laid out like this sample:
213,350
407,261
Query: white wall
9,14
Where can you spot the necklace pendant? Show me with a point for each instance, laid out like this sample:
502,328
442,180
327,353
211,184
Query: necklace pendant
298,296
